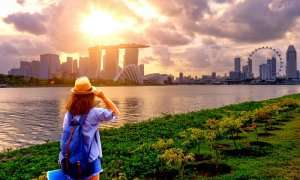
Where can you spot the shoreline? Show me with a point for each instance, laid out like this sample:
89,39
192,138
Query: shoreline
131,137
99,85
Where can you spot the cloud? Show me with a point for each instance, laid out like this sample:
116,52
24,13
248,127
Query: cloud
166,34
163,55
191,9
26,22
253,21
21,2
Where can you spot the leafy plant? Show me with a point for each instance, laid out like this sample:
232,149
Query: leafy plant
175,158
210,137
232,127
192,137
162,144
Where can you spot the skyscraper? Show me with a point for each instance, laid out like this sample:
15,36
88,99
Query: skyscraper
95,62
26,69
49,65
111,63
236,74
83,66
250,69
68,69
237,64
131,56
273,68
267,71
35,68
291,63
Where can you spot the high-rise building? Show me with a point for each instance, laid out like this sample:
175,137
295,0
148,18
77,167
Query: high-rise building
75,67
236,74
35,66
111,63
267,71
131,56
83,66
245,74
15,72
95,55
25,68
49,65
273,68
250,69
291,63
237,64
44,68
213,75
68,66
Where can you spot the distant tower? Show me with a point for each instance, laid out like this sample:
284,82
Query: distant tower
131,56
250,69
273,68
49,65
291,63
111,63
95,62
181,77
237,64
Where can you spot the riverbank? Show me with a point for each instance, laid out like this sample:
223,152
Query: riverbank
253,139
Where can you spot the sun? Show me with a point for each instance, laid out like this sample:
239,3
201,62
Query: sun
99,23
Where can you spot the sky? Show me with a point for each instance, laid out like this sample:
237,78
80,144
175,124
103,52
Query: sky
192,36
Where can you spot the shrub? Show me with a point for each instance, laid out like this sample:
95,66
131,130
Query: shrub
175,158
210,137
161,144
192,137
232,127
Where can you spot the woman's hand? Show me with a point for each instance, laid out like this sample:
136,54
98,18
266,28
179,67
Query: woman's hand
109,104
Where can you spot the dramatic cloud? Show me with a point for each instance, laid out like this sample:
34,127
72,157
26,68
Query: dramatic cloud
163,54
21,2
166,35
253,21
32,23
191,9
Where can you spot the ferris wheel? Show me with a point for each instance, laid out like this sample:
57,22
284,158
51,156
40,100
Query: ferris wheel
274,53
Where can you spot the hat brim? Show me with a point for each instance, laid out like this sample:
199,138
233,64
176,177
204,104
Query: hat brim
91,91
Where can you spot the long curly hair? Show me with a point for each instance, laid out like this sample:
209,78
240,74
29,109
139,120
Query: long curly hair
78,104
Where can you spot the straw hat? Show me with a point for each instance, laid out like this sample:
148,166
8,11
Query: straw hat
83,86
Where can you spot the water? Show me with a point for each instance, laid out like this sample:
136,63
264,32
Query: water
34,115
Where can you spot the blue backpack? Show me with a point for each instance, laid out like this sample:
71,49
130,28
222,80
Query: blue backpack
75,162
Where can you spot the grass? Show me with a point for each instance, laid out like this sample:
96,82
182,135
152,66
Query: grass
128,151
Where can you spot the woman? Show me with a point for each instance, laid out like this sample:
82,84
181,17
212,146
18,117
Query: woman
81,110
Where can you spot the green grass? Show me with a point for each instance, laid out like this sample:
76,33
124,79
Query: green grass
127,150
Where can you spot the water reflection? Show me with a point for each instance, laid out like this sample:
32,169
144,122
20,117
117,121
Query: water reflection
34,115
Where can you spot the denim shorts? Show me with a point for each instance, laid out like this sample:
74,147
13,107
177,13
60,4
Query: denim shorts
96,168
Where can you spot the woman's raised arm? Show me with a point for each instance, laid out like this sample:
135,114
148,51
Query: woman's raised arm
108,103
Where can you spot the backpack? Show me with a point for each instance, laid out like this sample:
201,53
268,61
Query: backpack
75,162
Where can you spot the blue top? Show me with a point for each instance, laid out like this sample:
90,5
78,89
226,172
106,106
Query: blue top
89,128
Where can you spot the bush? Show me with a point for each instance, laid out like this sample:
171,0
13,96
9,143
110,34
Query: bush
174,158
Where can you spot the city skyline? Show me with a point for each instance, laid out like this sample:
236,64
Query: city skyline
195,37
